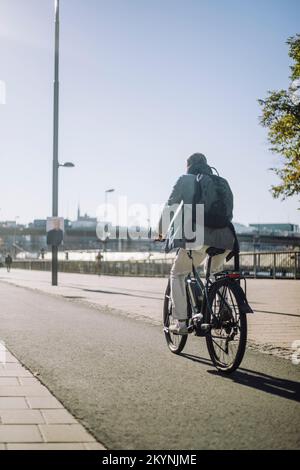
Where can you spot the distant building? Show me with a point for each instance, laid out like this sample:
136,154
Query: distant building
275,227
39,223
240,228
9,224
84,222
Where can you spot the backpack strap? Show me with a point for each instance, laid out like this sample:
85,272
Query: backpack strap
213,168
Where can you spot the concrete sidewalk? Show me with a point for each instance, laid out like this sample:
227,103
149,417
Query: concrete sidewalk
31,418
272,329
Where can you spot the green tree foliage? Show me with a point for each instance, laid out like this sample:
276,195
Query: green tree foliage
281,115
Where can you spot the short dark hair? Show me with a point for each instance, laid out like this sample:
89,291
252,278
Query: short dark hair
197,163
197,159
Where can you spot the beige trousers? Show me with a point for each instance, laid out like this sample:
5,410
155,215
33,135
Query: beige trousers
182,266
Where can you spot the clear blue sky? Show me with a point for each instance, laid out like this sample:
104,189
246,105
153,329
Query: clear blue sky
144,83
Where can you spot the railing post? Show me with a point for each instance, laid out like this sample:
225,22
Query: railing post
274,265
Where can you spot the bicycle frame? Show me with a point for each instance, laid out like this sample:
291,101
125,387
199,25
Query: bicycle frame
203,287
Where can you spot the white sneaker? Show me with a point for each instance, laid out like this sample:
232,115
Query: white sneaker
179,328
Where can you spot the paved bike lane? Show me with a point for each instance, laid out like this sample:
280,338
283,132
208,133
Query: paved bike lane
273,328
116,376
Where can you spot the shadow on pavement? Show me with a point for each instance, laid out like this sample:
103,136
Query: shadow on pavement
284,388
99,291
278,313
193,358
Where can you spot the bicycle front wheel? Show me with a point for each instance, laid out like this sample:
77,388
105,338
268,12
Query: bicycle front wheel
226,341
175,343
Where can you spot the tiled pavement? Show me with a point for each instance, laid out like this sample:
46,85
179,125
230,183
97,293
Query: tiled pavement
33,419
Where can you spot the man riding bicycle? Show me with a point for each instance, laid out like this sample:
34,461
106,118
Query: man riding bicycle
198,186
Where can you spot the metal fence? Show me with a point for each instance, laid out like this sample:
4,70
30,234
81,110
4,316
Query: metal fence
276,265
157,268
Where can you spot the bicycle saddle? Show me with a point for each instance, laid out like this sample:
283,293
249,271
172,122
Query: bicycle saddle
212,251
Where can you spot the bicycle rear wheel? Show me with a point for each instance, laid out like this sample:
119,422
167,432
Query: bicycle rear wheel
226,341
175,343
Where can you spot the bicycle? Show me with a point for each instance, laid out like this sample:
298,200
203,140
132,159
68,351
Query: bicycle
217,311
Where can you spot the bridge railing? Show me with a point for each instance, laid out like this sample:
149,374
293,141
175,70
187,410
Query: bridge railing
276,265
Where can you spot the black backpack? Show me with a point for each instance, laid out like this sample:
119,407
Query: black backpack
214,192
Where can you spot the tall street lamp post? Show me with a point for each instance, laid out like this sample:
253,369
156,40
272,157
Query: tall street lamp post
56,164
15,235
55,139
106,193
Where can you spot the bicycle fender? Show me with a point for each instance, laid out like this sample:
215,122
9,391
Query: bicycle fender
242,301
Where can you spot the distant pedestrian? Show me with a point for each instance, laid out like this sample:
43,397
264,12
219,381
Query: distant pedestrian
8,262
99,258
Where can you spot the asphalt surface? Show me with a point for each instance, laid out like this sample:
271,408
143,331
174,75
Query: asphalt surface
116,375
272,329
